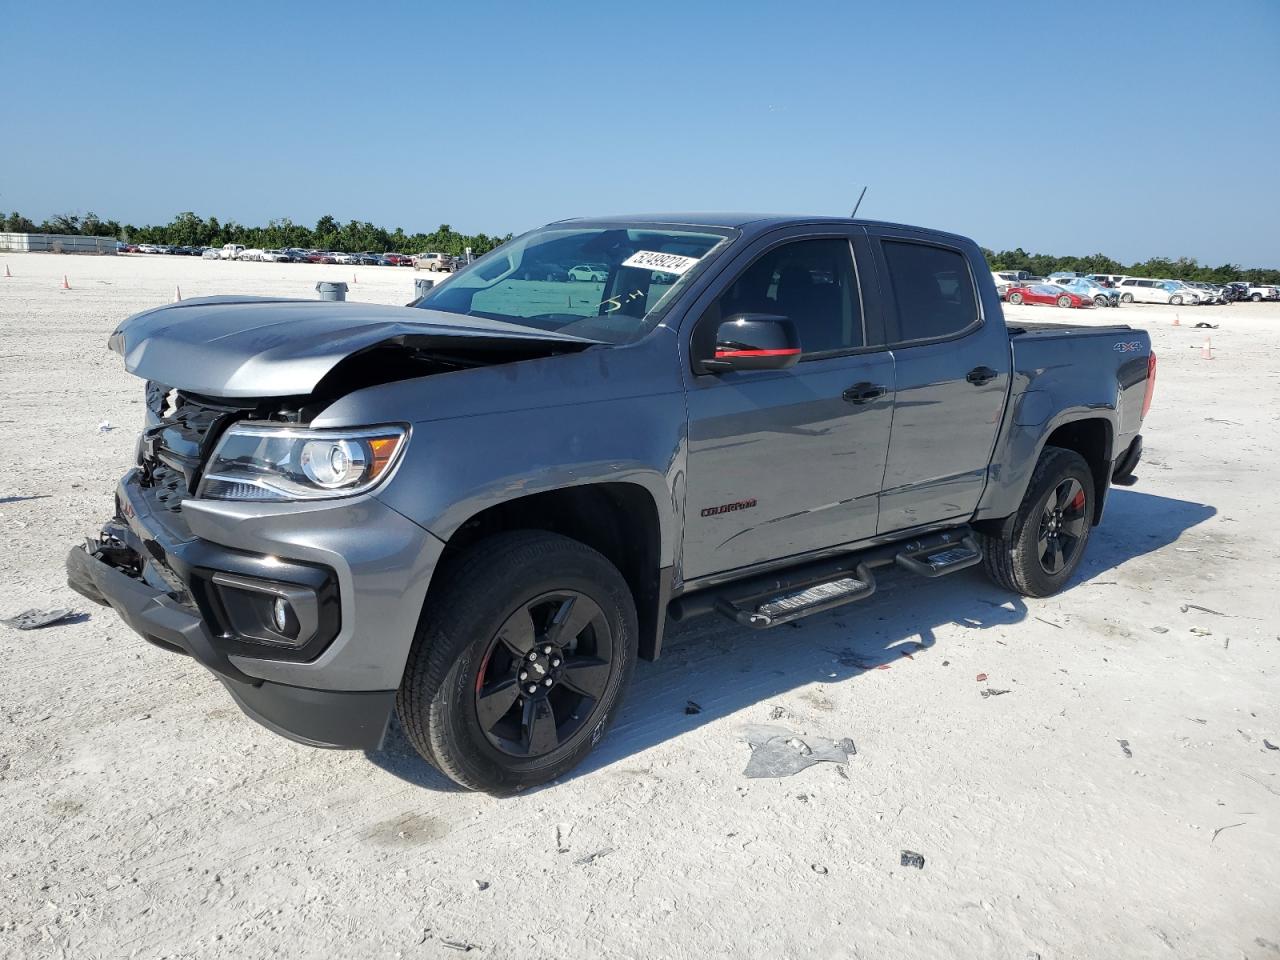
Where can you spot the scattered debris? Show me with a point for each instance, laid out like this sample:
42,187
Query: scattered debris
819,869
946,663
481,884
593,857
851,749
1201,632
35,619
989,692
779,752
980,677
1195,606
1124,745
562,837
692,708
458,945
1205,325
105,427
1049,622
1226,642
1159,629
1197,720
1220,829
1269,745
777,713
912,859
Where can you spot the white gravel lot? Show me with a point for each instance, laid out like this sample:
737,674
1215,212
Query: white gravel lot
143,815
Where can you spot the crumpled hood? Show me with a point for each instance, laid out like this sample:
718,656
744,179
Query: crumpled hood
234,346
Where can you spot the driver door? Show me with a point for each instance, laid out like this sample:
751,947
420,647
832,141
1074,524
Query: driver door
786,462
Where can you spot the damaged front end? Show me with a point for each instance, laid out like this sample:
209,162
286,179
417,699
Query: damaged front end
242,536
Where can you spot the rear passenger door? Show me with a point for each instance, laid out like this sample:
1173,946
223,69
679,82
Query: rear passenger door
952,374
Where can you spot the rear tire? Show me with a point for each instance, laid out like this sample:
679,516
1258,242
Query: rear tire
1064,302
1023,562
513,591
1126,298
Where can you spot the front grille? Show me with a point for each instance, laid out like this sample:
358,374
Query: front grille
182,429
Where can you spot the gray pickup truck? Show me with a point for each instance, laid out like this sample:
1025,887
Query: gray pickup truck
480,509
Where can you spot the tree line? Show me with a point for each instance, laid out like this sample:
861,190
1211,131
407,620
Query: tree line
1163,268
189,230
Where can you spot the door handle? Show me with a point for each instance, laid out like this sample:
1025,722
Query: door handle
980,375
864,392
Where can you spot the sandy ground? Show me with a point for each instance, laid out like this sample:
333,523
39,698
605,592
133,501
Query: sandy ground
144,816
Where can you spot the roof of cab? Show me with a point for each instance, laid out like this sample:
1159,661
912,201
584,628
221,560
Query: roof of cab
752,222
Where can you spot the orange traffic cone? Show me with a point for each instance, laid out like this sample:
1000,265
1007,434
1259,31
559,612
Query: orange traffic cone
177,294
1176,321
1206,352
65,285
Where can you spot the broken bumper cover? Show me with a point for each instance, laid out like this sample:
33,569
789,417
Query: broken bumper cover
321,718
186,594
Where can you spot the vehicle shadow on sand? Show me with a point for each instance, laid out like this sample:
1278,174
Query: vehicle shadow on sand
724,668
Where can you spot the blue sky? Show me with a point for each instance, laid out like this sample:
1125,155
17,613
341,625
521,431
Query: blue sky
1130,128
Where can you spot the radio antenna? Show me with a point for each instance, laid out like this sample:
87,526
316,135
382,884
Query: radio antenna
858,204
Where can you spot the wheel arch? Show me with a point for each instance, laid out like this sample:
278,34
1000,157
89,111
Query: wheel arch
619,519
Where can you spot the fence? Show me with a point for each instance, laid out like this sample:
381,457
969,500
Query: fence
56,243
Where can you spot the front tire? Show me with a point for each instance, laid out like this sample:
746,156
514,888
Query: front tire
1176,301
522,654
1064,302
1099,301
1015,298
1050,530
1126,298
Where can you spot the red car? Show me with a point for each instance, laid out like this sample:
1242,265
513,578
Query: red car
397,259
320,257
1047,293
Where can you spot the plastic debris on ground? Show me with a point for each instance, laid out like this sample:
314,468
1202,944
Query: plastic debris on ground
35,619
1269,745
990,692
1124,745
912,859
105,427
779,752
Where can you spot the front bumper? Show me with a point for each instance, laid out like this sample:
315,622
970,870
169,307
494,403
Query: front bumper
366,565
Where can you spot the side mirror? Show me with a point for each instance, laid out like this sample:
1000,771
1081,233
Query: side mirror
754,341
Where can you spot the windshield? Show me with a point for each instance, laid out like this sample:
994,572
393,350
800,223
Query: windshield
610,283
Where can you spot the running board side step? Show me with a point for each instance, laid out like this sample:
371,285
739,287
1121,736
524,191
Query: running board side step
795,604
937,562
772,599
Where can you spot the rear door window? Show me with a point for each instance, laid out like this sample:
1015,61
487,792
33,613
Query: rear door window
932,289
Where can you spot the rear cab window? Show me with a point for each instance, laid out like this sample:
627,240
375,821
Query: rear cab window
933,290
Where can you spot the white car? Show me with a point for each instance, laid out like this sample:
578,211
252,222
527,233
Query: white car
1261,291
349,259
273,256
231,251
438,262
254,253
211,254
1150,290
591,272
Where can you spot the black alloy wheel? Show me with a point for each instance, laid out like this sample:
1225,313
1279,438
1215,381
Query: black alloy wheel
1062,526
544,673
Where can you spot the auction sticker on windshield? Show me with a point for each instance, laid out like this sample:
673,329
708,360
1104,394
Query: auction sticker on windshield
661,262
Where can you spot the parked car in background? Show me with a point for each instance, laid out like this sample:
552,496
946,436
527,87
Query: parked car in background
439,262
1088,287
231,251
593,272
398,259
1210,293
273,256
321,256
1050,294
1258,292
212,254
1152,290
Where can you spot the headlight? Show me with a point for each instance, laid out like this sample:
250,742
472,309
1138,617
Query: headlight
258,462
